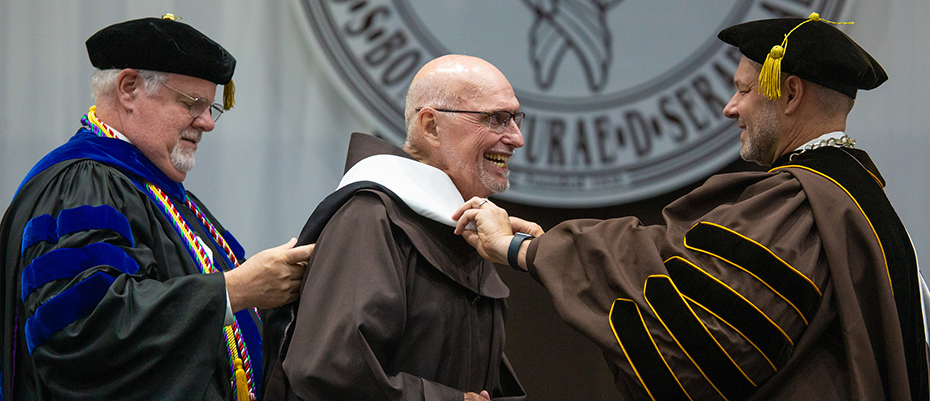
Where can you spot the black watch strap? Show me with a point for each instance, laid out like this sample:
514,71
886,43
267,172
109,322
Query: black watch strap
514,249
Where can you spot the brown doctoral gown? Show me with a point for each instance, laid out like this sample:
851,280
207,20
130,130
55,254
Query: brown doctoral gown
760,285
395,306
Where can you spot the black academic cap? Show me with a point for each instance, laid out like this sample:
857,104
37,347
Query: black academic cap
161,44
816,51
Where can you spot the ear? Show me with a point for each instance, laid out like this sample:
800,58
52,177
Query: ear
429,126
129,88
793,92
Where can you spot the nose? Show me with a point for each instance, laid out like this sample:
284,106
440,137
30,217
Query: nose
513,136
204,121
729,111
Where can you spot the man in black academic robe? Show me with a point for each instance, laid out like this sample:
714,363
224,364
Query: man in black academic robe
104,295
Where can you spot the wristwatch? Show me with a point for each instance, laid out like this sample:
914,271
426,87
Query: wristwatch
514,249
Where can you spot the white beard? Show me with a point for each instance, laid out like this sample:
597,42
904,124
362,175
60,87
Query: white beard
183,158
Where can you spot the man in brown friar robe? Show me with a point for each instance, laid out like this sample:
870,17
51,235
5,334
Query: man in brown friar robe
394,305
797,283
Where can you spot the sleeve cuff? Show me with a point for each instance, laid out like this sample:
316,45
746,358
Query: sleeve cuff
531,258
229,315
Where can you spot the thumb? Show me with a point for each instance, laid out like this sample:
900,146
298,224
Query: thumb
485,395
472,238
298,254
287,245
279,248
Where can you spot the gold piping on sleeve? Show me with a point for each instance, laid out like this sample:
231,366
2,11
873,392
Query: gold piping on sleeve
793,306
705,329
734,329
814,286
643,321
737,294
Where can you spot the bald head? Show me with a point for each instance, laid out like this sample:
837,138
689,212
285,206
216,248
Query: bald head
450,82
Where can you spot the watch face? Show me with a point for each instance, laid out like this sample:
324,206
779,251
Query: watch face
623,99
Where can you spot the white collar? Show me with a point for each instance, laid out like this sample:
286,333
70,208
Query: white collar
835,135
424,188
119,135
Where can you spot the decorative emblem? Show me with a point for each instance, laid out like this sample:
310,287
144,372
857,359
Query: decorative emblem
623,99
577,26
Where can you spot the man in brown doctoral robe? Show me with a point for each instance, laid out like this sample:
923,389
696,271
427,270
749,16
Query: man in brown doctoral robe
795,283
395,306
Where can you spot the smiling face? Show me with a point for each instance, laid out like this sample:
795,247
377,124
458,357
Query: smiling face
473,155
161,126
759,118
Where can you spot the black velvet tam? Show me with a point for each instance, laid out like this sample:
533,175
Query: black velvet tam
817,51
161,44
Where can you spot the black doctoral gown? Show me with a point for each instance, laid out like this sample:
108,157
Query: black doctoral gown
115,308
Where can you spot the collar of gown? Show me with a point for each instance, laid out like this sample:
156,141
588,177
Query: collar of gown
425,189
835,135
117,153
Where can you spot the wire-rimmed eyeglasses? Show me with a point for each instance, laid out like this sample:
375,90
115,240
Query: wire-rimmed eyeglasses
496,119
199,104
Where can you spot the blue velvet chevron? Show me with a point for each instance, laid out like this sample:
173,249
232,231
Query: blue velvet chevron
104,217
65,308
46,228
41,228
69,262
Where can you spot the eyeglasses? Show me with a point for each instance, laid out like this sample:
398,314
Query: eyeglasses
496,119
199,104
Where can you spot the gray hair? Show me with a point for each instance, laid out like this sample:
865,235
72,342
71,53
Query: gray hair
104,82
428,91
831,102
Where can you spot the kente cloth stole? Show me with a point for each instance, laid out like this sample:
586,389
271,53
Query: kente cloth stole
239,360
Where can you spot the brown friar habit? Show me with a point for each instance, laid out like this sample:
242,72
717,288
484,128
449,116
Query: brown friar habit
394,306
798,283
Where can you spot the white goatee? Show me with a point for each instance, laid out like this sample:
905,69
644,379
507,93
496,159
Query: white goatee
183,158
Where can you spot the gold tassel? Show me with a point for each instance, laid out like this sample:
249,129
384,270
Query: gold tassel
770,77
242,383
229,95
